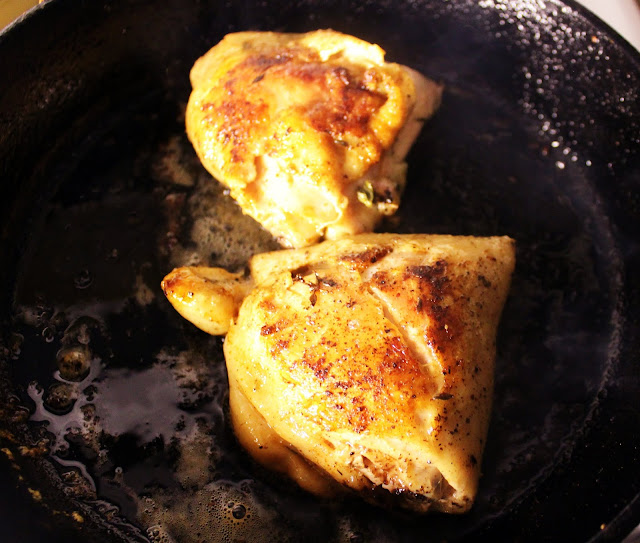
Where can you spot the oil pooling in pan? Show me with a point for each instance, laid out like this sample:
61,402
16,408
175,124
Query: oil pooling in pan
128,404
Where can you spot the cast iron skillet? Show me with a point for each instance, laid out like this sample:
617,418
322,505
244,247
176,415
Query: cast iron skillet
537,138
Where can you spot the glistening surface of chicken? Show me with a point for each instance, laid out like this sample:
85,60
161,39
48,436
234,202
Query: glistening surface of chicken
308,131
365,363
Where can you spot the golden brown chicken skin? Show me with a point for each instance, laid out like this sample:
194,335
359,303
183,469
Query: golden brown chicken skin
308,131
367,364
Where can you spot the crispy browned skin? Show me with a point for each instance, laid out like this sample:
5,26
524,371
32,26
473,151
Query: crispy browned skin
309,131
369,362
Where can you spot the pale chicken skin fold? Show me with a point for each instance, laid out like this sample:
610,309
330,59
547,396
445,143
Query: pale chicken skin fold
308,131
366,363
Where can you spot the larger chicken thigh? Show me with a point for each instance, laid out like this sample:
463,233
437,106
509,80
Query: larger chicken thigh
365,363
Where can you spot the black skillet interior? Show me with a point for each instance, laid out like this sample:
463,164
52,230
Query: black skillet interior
537,138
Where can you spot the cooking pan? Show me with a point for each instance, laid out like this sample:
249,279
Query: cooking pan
114,410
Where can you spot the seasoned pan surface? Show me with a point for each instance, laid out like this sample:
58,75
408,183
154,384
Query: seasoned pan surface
114,410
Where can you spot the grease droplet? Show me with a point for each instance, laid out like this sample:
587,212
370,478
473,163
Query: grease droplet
239,511
83,279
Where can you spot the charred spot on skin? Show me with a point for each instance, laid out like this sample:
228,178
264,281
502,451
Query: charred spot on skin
267,305
349,104
269,329
361,261
321,373
300,273
316,283
263,62
396,356
484,281
435,275
326,282
443,396
348,107
236,119
360,419
328,343
279,346
319,366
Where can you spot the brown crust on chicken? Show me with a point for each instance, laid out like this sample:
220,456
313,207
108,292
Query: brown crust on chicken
301,126
372,358
366,362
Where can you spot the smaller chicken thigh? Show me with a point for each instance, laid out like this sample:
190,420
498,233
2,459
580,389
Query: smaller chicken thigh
308,131
363,364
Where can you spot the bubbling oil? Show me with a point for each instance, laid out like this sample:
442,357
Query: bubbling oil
132,398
